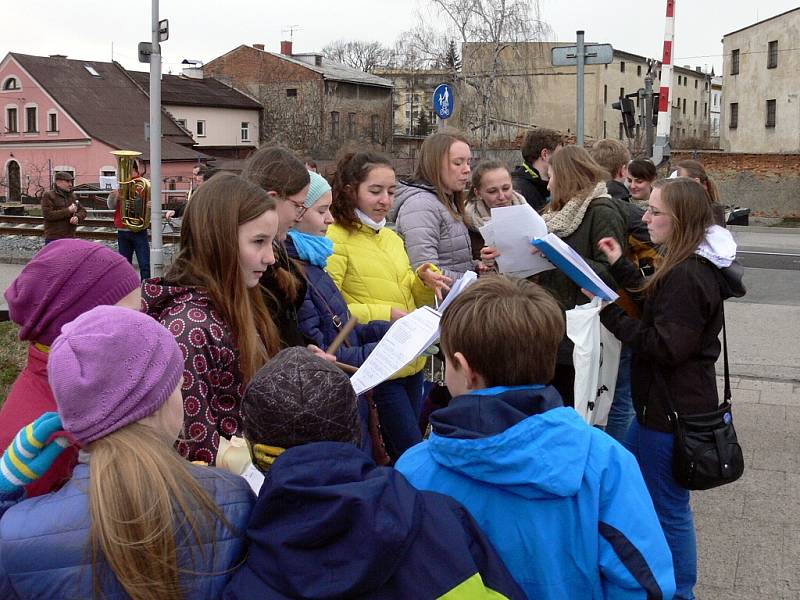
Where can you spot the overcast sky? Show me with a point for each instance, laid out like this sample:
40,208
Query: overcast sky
201,29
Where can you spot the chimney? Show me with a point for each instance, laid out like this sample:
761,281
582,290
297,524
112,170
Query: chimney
699,69
258,46
286,47
318,60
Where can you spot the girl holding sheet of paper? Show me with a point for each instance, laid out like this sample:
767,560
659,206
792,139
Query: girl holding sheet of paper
581,213
371,268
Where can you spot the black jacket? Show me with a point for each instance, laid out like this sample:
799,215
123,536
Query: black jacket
618,190
281,308
676,343
532,187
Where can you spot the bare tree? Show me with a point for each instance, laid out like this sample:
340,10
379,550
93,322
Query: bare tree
364,56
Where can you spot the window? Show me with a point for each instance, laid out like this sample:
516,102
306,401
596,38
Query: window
291,92
622,66
706,86
770,113
621,130
351,125
705,108
92,71
679,79
245,131
376,129
181,122
735,62
684,106
334,125
52,121
733,122
772,54
695,108
695,84
638,70
605,94
605,129
11,120
12,83
201,129
31,118
65,169
622,92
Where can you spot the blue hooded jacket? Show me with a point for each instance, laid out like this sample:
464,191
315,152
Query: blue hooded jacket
328,523
564,504
323,306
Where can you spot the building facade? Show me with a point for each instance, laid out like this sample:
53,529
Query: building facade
715,108
412,98
310,103
761,86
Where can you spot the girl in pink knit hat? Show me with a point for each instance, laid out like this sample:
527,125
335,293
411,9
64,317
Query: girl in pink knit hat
65,279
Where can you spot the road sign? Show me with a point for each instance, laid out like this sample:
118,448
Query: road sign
594,54
444,101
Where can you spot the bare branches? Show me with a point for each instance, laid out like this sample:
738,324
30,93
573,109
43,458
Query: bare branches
364,56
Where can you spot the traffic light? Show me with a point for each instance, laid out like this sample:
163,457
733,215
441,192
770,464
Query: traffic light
628,109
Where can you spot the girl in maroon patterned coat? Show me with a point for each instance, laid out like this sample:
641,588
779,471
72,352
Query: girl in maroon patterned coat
215,310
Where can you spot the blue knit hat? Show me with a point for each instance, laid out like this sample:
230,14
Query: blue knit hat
316,189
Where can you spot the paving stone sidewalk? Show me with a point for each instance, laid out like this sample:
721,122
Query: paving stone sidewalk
748,532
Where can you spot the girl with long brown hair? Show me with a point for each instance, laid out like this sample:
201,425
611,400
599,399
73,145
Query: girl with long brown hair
136,520
694,170
215,310
675,344
429,210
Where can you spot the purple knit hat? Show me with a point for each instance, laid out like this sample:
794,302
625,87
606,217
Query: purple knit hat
110,367
64,279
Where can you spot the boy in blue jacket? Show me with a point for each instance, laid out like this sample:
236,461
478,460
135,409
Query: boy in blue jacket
564,504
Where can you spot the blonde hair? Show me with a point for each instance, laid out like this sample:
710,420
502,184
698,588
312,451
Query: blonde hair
492,311
140,493
575,173
611,155
434,150
688,208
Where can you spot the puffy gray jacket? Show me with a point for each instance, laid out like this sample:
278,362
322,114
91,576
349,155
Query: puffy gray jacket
431,233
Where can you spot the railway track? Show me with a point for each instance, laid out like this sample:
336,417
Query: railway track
90,229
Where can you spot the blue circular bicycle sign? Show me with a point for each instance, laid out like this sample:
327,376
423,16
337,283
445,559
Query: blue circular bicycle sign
444,101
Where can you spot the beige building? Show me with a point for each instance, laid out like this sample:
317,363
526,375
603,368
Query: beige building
412,98
533,93
761,87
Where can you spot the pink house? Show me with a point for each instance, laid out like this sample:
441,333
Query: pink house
69,115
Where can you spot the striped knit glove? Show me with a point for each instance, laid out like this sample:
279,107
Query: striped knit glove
28,458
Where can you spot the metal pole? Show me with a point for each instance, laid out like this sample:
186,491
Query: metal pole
579,109
157,248
648,114
661,150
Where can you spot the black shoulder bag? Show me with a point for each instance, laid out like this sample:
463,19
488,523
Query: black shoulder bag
707,453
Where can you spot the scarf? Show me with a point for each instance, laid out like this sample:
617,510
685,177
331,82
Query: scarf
376,225
314,249
566,221
477,214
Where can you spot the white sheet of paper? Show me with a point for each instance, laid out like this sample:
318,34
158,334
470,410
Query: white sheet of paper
513,227
406,339
254,477
459,286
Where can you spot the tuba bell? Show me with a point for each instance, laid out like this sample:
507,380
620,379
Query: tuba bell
134,193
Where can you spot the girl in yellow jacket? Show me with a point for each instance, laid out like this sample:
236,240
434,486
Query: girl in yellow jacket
371,268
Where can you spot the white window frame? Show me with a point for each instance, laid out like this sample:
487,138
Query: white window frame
64,168
182,123
7,79
200,124
53,112
244,131
7,122
36,121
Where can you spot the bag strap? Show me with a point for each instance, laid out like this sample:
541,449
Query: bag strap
727,393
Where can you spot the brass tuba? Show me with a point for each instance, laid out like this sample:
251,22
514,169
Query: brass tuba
133,193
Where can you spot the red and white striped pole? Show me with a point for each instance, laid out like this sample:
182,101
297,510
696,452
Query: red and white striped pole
661,146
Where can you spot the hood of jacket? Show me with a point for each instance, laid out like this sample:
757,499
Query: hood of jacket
328,505
160,296
524,441
404,191
719,248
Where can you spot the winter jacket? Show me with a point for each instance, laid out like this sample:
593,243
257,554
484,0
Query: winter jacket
605,217
213,385
328,523
564,504
430,231
531,186
282,308
618,190
675,344
324,312
372,270
29,398
45,550
56,215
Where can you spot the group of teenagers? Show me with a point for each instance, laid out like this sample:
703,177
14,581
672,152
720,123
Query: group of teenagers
113,484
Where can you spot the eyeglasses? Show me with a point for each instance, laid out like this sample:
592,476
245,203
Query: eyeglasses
300,209
654,212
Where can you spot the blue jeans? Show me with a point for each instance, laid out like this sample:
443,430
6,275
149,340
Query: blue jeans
399,403
653,451
622,413
129,242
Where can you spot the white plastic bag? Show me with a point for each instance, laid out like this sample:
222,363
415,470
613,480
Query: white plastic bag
596,358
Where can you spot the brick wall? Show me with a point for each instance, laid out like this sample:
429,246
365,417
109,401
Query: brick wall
769,184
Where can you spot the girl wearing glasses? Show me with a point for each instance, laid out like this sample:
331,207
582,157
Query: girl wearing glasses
675,344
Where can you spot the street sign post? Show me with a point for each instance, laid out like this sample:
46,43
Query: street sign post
444,101
579,55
